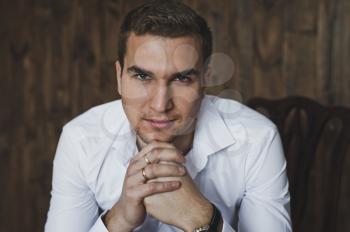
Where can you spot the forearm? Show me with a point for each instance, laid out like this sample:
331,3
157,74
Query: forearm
115,223
199,218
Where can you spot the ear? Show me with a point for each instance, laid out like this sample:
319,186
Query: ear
118,71
207,77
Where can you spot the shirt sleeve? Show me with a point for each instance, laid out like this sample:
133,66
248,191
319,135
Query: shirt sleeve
265,205
72,206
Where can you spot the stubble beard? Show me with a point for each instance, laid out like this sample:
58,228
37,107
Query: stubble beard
175,138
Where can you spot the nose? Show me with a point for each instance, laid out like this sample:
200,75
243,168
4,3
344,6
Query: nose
161,99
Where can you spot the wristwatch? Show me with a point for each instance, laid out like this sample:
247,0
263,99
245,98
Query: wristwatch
214,223
202,229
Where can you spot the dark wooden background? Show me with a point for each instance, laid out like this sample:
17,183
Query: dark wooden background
57,60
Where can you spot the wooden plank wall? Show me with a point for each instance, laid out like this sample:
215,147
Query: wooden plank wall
56,60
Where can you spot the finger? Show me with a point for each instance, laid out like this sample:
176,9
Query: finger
147,150
163,170
158,155
157,170
151,146
139,192
166,154
151,188
136,178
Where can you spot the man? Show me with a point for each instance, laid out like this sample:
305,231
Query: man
166,157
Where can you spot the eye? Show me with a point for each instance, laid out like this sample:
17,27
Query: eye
142,76
183,78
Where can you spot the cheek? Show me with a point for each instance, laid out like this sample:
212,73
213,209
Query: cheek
188,102
187,96
133,91
134,98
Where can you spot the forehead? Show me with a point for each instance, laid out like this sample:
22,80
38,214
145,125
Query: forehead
156,51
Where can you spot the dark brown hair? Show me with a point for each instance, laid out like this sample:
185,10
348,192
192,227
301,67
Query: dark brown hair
170,18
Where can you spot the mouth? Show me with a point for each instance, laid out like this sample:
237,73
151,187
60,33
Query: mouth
160,123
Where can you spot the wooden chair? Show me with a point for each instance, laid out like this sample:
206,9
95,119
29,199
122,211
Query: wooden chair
316,142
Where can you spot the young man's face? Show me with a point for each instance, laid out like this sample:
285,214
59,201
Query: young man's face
161,86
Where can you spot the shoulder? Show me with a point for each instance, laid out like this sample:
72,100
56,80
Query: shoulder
100,121
91,134
87,139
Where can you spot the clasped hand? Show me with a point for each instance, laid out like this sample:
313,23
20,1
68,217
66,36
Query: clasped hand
156,183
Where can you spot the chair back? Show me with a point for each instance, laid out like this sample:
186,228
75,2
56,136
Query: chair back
316,142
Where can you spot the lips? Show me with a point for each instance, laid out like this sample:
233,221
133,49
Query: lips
160,123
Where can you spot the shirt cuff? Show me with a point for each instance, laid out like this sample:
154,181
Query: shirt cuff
99,226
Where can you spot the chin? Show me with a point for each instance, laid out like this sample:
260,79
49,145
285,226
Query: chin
150,137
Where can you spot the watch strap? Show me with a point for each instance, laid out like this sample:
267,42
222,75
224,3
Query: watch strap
215,220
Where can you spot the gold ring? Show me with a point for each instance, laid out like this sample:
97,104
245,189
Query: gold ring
144,174
147,160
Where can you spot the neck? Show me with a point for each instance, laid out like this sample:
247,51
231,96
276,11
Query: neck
184,143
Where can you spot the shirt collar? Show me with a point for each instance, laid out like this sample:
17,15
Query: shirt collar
211,135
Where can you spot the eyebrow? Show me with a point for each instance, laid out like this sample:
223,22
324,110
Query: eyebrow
187,72
136,69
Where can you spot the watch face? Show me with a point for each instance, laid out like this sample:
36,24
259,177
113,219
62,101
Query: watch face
201,229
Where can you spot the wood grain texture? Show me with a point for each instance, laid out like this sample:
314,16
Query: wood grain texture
57,60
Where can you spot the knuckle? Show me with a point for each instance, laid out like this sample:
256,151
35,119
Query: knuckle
128,184
153,168
153,145
129,172
152,187
156,151
157,154
127,187
164,186
176,170
167,186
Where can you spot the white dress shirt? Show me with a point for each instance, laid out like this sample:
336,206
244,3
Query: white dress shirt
236,161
